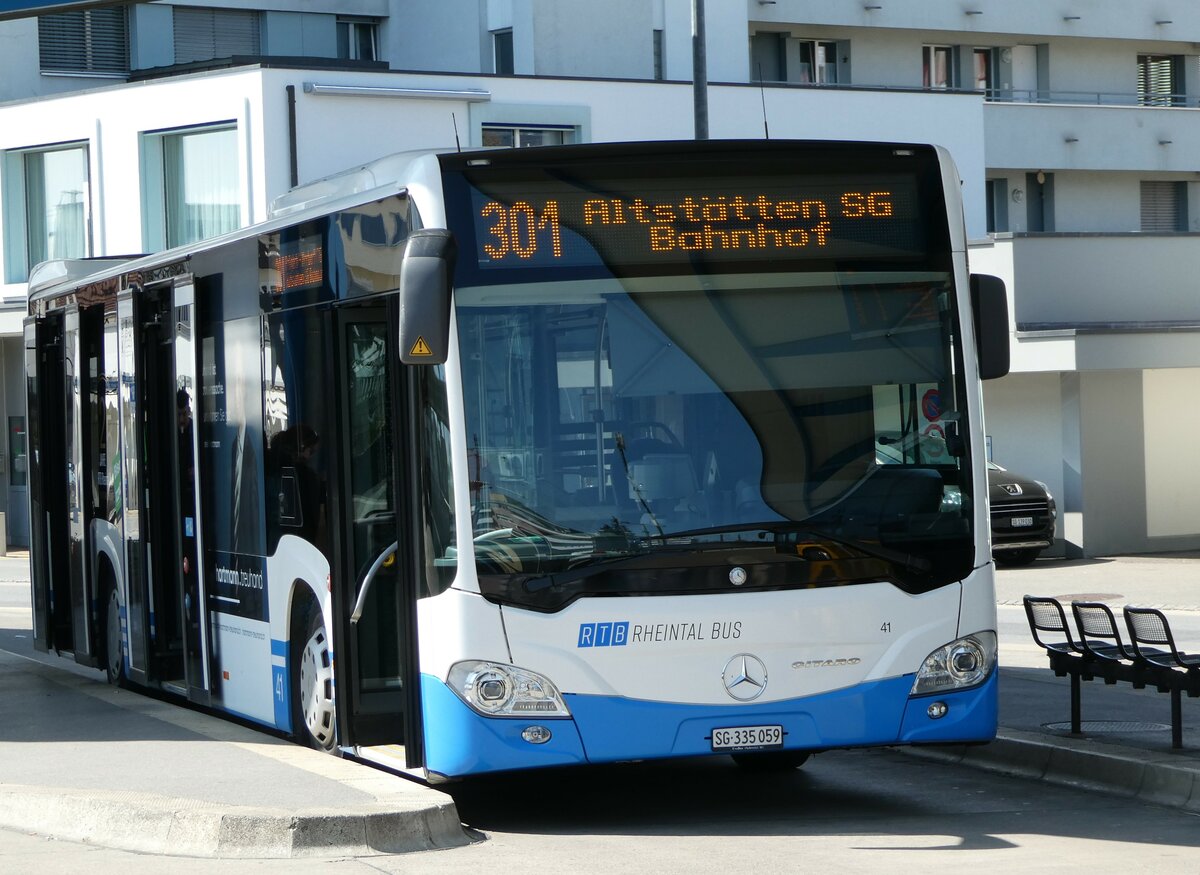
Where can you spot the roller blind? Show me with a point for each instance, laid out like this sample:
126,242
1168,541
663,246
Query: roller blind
89,41
204,34
1164,206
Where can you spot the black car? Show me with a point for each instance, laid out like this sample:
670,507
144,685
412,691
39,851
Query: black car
1023,514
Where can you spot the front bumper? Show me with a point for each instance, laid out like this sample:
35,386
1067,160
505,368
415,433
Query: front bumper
459,741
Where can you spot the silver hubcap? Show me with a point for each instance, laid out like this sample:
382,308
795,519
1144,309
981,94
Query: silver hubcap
113,636
316,689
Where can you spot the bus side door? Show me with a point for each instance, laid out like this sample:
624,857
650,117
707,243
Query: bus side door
376,668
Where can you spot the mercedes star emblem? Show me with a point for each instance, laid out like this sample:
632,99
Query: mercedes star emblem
745,677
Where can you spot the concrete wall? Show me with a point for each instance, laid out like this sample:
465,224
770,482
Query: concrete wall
1023,419
618,42
1133,278
1171,427
453,37
1053,137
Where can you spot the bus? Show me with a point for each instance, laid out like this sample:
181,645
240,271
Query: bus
478,461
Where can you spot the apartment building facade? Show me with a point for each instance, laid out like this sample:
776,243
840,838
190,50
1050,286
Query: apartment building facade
131,129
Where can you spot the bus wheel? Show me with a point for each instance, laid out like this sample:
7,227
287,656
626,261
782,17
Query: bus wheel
312,680
114,655
771,761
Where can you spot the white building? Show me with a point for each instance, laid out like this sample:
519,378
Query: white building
1075,130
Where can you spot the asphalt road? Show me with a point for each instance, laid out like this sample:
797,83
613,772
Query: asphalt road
851,811
865,811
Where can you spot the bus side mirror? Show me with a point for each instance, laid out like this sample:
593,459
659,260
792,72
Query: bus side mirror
426,279
989,311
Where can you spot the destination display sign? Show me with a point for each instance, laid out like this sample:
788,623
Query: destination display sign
618,223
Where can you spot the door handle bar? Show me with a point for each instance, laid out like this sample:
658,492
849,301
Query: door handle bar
368,580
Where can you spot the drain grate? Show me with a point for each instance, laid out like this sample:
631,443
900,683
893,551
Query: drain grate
1109,726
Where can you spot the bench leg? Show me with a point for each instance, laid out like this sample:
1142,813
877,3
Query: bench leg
1176,719
1075,706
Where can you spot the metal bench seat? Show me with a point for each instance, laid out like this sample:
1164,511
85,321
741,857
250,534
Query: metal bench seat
1150,658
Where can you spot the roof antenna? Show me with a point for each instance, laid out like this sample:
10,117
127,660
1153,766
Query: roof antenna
762,96
454,121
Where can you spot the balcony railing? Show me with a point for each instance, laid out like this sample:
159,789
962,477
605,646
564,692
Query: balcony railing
1018,95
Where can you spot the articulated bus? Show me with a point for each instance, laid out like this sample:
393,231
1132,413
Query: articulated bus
494,460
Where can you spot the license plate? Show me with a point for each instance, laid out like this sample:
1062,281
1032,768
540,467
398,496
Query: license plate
1019,522
747,737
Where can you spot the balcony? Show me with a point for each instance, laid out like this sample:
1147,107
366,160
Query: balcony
1091,137
1099,301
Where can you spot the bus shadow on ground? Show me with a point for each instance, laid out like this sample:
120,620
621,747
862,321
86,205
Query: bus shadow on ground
921,804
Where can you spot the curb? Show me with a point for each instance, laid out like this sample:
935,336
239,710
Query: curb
145,823
1158,778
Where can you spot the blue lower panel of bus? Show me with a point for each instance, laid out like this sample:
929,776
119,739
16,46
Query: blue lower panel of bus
611,728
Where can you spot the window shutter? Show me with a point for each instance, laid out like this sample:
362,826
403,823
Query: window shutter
90,41
1163,206
205,34
1156,79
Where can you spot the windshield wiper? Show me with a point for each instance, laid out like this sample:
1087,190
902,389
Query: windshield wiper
907,561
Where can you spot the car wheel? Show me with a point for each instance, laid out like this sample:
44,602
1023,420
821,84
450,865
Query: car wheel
1016,558
312,685
771,761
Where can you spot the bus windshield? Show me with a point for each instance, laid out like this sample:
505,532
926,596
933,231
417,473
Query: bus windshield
787,412
677,366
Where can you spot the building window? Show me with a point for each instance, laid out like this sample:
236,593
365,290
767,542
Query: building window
46,207
206,34
357,39
776,57
937,67
1160,80
519,136
192,185
818,62
997,205
985,70
90,42
502,52
658,54
1164,206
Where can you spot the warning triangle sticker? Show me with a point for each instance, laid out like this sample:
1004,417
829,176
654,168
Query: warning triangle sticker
420,347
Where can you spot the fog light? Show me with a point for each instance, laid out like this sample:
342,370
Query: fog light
937,710
536,734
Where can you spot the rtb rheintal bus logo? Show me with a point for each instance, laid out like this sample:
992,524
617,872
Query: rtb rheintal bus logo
623,632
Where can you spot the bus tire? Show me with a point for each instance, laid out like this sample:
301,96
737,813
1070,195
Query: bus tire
313,714
114,651
771,760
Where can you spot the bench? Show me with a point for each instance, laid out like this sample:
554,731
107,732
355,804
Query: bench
1149,659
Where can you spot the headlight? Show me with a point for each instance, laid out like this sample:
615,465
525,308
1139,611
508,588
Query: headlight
497,690
1049,499
958,665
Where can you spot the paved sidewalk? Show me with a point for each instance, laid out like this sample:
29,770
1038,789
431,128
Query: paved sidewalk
84,761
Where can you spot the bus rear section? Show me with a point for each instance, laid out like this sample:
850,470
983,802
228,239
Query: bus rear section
723,458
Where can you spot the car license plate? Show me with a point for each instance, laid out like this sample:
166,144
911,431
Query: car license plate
747,737
1022,522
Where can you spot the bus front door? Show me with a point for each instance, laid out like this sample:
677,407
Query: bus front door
374,601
